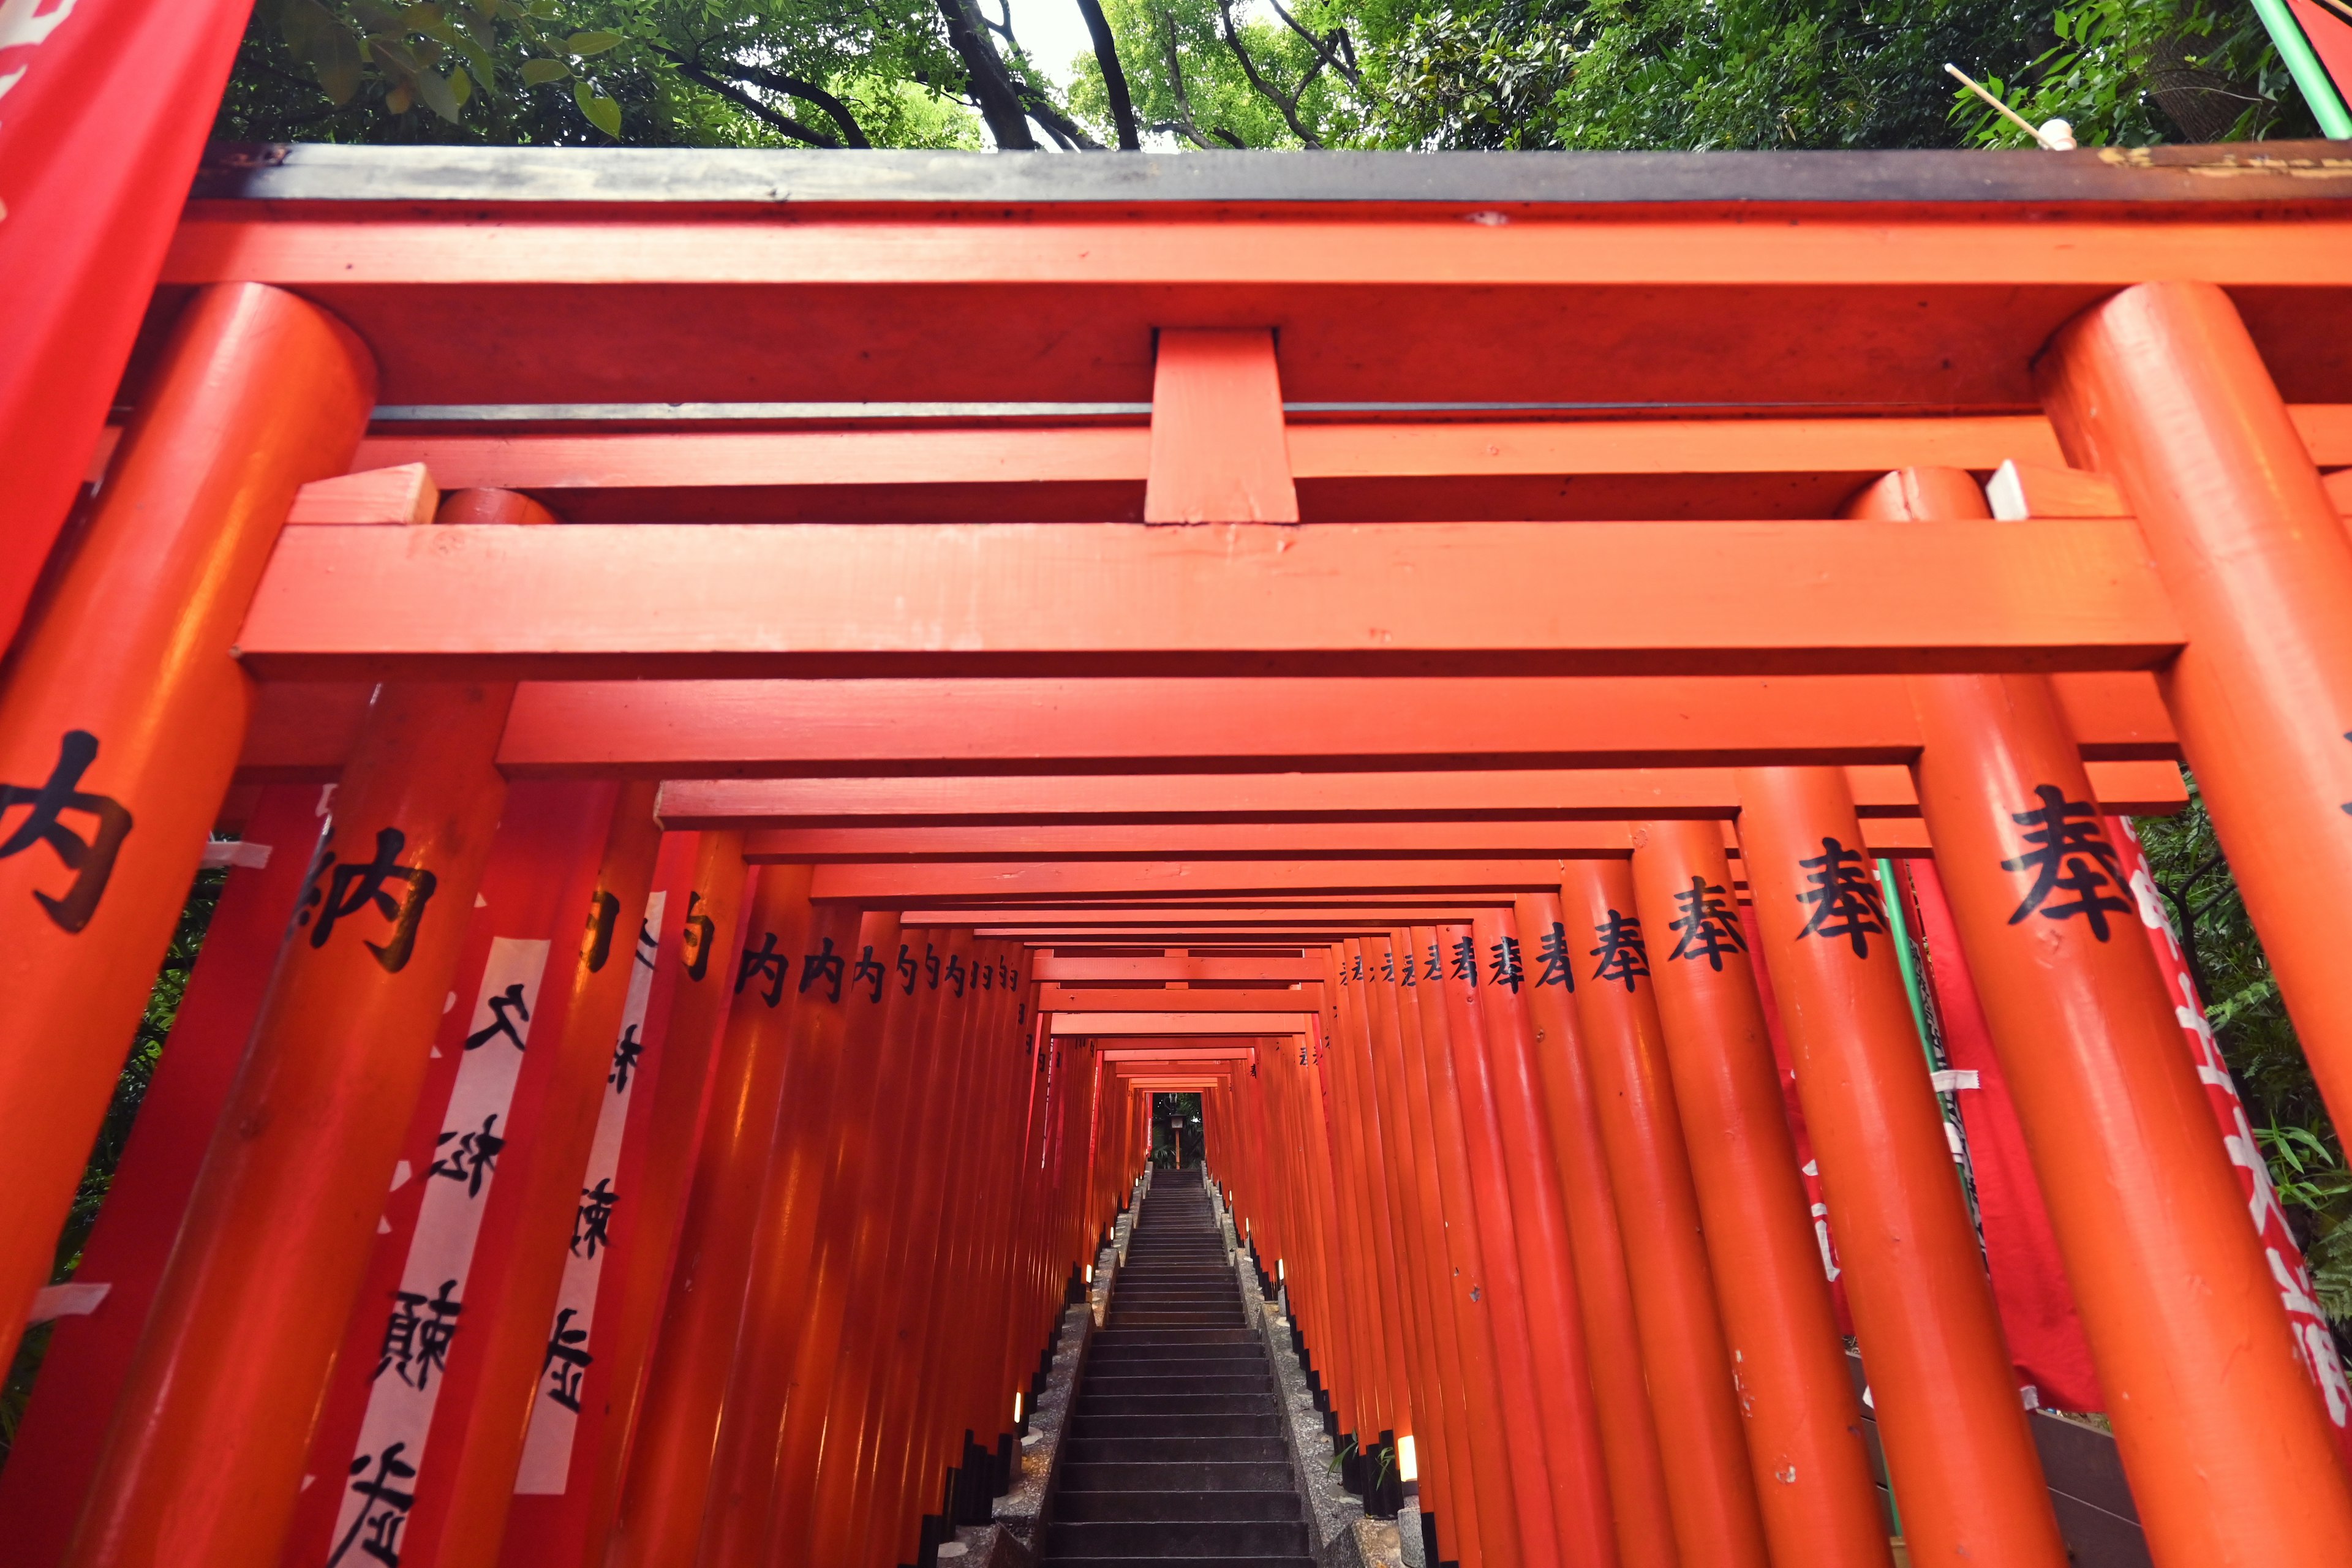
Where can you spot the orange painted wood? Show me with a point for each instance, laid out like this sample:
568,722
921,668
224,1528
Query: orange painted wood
1171,1053
830,811
2019,491
218,242
123,667
403,494
1090,1024
1217,450
813,600
1064,998
2164,387
1531,727
1023,456
874,887
1172,967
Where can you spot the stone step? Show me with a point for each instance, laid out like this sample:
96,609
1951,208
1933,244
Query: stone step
1175,1450
1192,1401
1226,1539
1207,1476
1167,1507
1127,1381
1228,1424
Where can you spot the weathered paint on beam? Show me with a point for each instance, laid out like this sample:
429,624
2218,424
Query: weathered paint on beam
908,600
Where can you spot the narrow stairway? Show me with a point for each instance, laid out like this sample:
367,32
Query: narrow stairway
1174,1454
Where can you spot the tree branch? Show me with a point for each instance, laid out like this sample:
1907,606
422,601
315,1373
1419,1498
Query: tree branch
1326,49
1288,107
852,133
1184,123
992,84
1058,125
1122,107
742,99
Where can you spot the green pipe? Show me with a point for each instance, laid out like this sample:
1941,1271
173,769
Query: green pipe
1900,930
2303,64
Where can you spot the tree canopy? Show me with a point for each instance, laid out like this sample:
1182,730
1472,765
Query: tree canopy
1171,74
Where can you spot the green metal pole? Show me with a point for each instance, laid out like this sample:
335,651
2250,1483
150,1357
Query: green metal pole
2303,64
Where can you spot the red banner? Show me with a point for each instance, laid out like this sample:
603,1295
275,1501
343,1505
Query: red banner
2315,1346
104,108
2028,1277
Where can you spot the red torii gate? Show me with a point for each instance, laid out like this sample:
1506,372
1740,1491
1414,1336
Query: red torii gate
1176,553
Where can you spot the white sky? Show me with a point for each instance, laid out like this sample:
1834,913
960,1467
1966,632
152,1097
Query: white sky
1051,30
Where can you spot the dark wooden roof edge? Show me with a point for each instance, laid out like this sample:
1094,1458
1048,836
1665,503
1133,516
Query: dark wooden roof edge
2266,172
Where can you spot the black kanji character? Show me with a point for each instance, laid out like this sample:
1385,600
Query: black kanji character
625,1052
474,1159
869,972
1709,925
826,963
416,1336
931,966
505,1007
592,1228
908,967
1406,975
983,976
1466,961
604,916
92,859
694,942
648,944
376,1531
1435,970
1844,898
2066,850
566,1361
351,889
1387,964
766,960
955,972
1622,953
1557,970
1506,958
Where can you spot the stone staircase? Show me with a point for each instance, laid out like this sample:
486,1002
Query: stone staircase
1174,1454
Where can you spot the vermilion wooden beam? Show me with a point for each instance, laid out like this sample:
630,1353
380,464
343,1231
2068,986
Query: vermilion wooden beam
216,243
1095,472
1188,968
1353,839
1101,1024
887,886
1172,1053
836,817
813,600
1108,725
1063,999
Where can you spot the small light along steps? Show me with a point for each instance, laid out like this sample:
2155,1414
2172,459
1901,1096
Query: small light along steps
1174,1455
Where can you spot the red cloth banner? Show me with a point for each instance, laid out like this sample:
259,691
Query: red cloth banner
2028,1277
104,108
2315,1346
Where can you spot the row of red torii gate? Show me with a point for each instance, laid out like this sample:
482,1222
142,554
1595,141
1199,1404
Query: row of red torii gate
1495,672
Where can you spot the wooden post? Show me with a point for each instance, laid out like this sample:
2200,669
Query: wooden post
1963,1464
121,717
1803,1425
1682,1344
2161,387
2220,1428
1637,1479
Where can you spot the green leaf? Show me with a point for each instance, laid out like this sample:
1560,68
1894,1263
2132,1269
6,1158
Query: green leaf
538,73
439,96
461,85
584,44
601,111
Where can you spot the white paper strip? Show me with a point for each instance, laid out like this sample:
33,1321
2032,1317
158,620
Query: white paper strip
555,1414
426,1310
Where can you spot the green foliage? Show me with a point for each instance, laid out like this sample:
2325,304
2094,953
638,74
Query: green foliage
114,1133
2127,73
711,73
